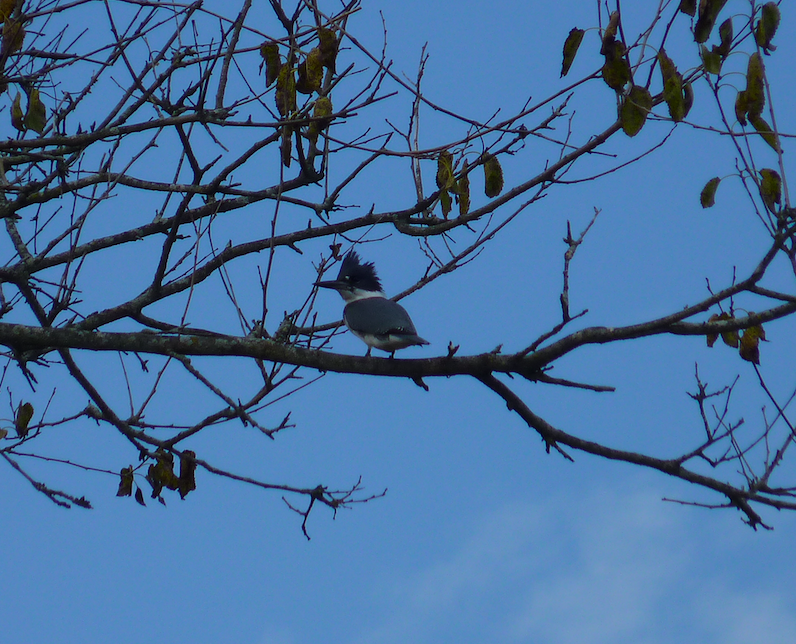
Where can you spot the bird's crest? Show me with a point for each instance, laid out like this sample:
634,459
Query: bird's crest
359,274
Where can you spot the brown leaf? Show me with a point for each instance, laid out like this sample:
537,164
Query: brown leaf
187,472
125,482
22,419
493,177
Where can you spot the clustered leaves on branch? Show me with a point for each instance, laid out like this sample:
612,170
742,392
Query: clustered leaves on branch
152,129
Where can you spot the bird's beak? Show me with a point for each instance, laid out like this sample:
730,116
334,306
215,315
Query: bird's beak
337,285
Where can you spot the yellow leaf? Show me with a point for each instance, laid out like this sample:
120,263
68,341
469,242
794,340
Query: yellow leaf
328,46
445,179
446,203
310,73
161,473
750,341
286,91
322,109
273,63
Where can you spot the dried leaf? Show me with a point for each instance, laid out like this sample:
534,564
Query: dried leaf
711,60
310,73
125,482
764,130
286,91
672,87
17,116
688,7
616,70
161,473
708,13
328,45
446,202
767,26
688,99
187,472
286,146
6,8
755,87
634,109
770,188
740,107
36,117
725,34
712,337
273,63
322,110
13,36
708,195
445,178
749,348
22,419
571,45
609,35
463,192
139,497
493,177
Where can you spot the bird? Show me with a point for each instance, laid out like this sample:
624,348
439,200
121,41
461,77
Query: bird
377,321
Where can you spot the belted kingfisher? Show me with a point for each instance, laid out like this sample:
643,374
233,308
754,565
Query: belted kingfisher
378,322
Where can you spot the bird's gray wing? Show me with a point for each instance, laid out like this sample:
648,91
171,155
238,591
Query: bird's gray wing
379,316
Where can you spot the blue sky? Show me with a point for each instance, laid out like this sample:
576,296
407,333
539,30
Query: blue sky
482,536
